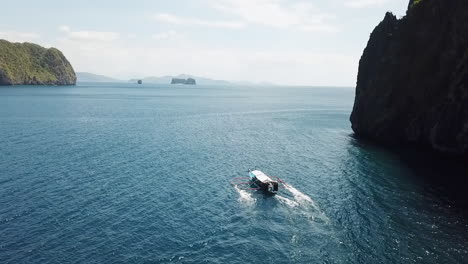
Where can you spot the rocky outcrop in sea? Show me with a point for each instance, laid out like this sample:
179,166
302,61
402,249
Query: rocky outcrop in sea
189,81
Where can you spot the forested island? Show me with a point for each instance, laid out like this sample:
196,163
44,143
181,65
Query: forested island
31,64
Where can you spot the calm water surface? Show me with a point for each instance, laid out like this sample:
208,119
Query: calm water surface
119,173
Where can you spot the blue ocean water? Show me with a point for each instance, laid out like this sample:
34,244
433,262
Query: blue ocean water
120,173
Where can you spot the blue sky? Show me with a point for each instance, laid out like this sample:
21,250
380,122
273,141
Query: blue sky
296,42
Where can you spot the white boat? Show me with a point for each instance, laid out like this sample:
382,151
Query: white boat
263,182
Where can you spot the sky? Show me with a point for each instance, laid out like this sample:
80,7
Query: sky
291,42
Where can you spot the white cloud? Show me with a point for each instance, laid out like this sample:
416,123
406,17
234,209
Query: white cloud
273,13
16,36
164,35
177,20
117,55
94,35
278,14
90,49
64,28
294,67
125,59
89,35
364,3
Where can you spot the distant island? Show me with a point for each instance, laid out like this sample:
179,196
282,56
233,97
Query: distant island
169,78
97,78
31,64
188,81
199,80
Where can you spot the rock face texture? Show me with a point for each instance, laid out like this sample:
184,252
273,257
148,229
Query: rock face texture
412,84
27,63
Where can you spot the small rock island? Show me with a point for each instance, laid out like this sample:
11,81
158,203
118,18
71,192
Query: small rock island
412,84
188,81
31,64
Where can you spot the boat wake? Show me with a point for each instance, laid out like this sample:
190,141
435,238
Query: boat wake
304,203
244,196
300,197
286,201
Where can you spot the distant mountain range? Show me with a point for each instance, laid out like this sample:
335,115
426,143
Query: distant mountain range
90,77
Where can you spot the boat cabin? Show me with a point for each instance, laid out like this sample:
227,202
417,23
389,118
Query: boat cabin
263,182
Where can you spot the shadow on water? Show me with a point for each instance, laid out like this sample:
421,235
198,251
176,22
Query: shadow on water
444,176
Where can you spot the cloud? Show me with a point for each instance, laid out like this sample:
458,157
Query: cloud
126,61
364,3
89,35
16,36
177,20
64,29
278,14
89,48
164,35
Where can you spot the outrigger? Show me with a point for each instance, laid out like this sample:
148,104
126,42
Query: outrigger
260,181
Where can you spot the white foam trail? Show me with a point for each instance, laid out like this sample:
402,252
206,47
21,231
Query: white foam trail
300,197
304,204
244,196
286,201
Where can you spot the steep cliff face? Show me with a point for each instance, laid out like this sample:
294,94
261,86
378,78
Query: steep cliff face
412,84
27,63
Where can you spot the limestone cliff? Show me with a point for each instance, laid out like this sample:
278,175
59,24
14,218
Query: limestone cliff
412,84
27,63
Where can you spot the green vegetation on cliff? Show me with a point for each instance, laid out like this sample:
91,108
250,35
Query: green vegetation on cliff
415,2
27,63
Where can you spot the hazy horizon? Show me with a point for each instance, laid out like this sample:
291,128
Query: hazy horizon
283,42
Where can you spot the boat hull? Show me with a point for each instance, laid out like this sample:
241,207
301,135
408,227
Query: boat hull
266,185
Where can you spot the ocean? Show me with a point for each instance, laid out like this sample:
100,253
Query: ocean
126,173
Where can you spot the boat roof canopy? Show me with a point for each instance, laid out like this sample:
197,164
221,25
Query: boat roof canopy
261,176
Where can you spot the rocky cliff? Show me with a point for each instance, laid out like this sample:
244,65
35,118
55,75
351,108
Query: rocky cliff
412,84
27,63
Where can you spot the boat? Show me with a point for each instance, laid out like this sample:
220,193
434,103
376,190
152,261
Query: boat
263,182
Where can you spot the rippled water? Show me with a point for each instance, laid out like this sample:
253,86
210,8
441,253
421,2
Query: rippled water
119,173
